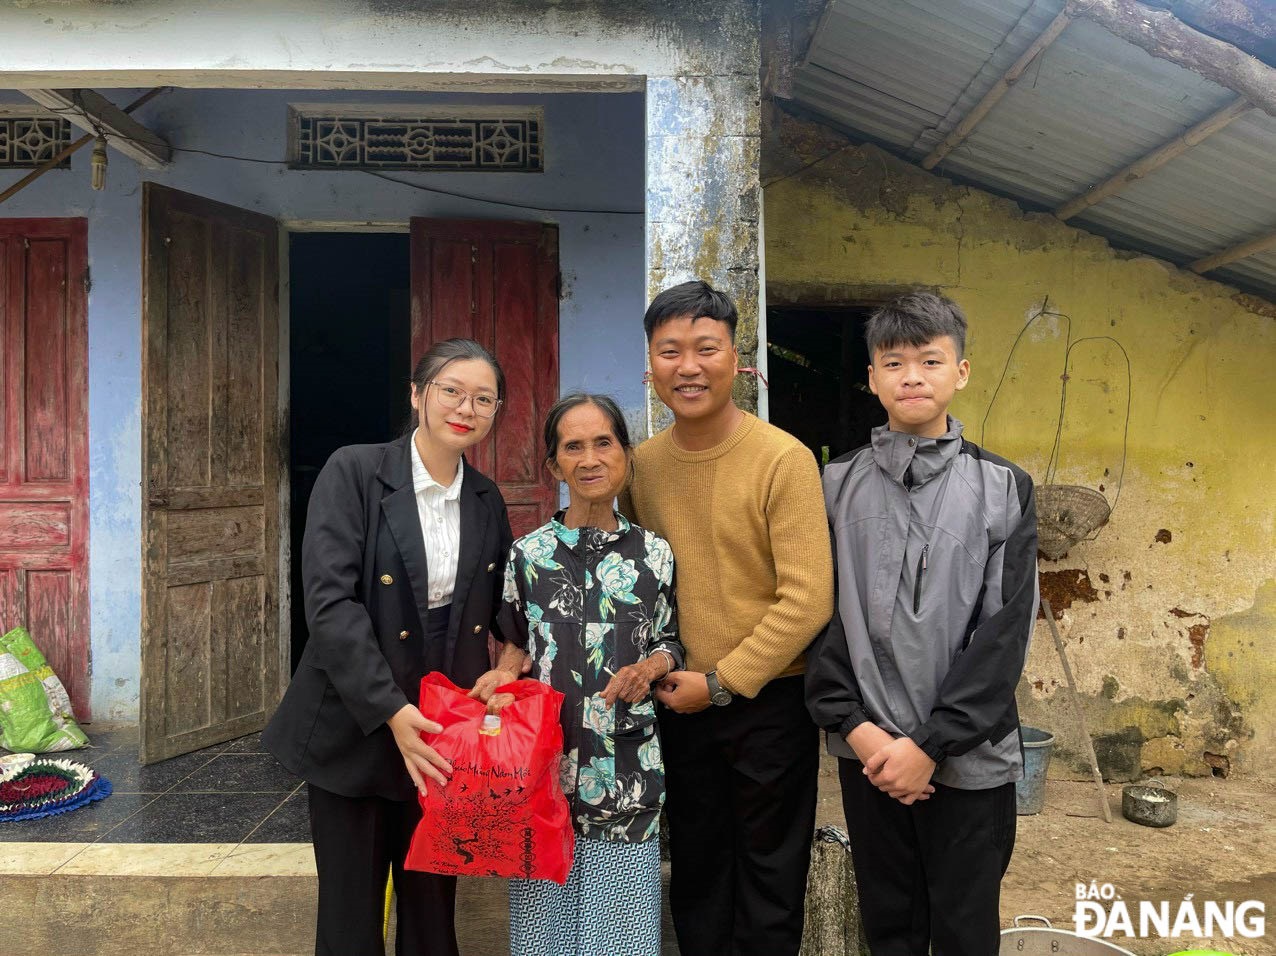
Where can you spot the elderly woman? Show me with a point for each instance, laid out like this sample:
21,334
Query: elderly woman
590,598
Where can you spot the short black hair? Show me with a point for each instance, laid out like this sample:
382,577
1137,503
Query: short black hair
915,319
697,299
554,418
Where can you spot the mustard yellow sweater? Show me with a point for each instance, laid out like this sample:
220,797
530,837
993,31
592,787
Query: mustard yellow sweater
750,541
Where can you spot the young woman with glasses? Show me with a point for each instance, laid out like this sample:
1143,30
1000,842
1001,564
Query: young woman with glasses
402,564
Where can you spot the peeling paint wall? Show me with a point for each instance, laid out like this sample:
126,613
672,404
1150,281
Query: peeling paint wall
702,198
700,63
1169,613
703,151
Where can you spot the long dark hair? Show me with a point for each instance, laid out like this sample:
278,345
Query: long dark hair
619,427
442,354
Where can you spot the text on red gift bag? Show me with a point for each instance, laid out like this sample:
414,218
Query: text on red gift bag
503,812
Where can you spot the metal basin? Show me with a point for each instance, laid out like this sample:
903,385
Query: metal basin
1048,941
1149,805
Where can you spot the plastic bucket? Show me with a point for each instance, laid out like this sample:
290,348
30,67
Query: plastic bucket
1030,792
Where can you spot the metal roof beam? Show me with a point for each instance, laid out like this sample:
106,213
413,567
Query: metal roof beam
1166,37
963,129
1155,159
95,114
1241,251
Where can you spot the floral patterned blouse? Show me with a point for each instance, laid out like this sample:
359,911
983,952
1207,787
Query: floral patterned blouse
590,602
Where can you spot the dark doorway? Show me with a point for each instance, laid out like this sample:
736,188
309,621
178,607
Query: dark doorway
819,380
350,360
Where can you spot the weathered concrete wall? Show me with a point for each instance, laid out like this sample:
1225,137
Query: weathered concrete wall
700,63
1169,614
473,44
703,150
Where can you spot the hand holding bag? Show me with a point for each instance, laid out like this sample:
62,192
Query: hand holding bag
503,812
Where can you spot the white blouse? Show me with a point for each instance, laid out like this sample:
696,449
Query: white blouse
439,508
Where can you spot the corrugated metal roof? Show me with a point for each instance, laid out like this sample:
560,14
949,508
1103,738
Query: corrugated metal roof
904,72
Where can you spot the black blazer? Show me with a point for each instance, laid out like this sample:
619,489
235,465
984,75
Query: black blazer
362,529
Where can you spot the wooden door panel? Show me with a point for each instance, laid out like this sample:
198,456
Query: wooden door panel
31,525
46,417
187,659
514,294
187,382
50,598
210,661
243,607
245,426
200,534
453,292
497,282
44,480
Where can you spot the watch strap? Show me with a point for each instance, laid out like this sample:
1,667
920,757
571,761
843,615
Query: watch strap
718,694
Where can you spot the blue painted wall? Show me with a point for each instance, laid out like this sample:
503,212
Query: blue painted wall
594,146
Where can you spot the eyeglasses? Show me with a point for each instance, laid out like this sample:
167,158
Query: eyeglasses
450,396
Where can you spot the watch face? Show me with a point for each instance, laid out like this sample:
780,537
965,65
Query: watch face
721,698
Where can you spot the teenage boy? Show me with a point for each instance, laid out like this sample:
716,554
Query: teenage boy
914,679
741,505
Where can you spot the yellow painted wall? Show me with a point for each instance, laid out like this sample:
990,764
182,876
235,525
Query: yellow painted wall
1172,624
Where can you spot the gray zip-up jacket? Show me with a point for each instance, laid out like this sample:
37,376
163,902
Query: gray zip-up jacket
935,545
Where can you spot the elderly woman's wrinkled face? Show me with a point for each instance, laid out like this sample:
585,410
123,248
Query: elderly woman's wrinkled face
590,457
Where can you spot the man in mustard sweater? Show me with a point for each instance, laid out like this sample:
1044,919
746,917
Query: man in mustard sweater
741,504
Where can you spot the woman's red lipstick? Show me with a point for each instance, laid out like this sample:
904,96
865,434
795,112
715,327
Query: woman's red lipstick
459,428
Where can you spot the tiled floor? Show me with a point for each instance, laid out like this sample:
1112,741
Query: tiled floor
229,794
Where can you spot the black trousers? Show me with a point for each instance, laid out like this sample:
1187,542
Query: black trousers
358,841
741,787
929,875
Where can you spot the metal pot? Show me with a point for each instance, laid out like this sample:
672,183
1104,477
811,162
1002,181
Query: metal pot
1048,941
1150,805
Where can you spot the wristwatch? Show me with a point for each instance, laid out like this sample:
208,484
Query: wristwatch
719,696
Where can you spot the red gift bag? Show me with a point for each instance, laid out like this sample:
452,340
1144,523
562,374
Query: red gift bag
503,812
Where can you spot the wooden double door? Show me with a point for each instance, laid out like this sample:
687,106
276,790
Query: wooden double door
214,455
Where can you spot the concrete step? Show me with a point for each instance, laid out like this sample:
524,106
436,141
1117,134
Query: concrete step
187,899
122,899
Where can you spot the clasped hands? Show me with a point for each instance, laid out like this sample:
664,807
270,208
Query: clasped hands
631,684
894,765
423,762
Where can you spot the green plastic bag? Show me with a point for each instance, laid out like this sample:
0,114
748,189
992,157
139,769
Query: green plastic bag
35,710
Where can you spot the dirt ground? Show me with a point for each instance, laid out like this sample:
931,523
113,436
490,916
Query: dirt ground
1223,847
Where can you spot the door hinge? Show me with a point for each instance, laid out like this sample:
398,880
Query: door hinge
558,286
88,281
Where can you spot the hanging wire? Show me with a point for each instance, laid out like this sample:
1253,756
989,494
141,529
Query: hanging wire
1005,370
1129,399
83,112
1056,445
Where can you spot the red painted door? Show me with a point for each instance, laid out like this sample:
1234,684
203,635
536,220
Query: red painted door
497,283
44,447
